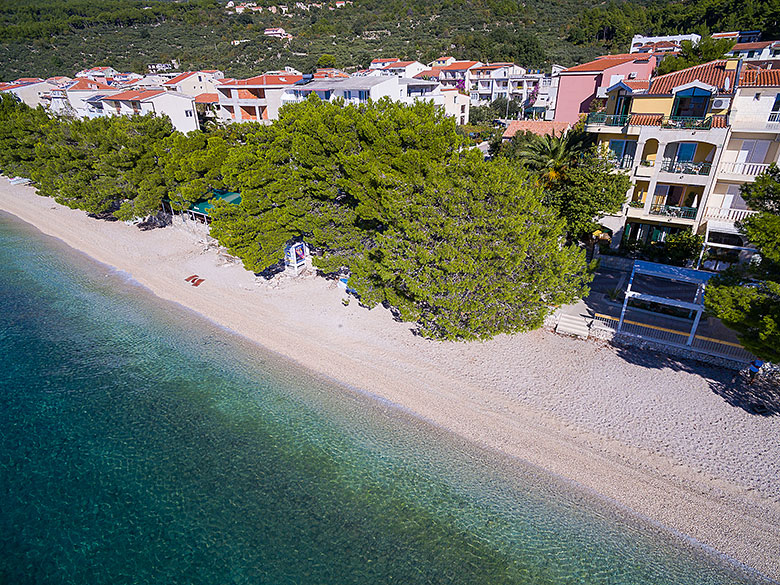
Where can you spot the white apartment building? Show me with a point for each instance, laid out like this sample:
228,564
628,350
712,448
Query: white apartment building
178,107
256,99
404,68
454,103
353,90
77,99
194,83
662,44
458,74
752,145
494,80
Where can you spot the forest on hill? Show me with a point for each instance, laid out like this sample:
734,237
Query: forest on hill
47,37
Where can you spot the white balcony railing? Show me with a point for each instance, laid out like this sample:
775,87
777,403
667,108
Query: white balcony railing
719,214
747,169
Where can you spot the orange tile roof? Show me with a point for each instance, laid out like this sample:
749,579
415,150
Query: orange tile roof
432,73
713,73
265,80
399,64
646,119
460,66
751,46
491,66
538,127
29,80
760,78
180,77
637,83
391,60
84,84
207,98
134,95
606,62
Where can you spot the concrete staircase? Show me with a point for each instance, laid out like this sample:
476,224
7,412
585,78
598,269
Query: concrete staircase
572,325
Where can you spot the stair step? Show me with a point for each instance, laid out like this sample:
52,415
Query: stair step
572,325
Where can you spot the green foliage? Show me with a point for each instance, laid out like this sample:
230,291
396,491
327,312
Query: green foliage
462,247
502,45
678,249
578,181
551,157
21,128
706,50
497,109
747,299
326,61
105,165
612,25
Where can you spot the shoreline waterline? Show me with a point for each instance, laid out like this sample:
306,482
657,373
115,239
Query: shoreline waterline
692,502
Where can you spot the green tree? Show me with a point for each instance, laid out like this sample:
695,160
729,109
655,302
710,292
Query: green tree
706,50
21,128
326,61
747,299
551,157
464,248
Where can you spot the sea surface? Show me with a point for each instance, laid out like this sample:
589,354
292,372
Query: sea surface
140,443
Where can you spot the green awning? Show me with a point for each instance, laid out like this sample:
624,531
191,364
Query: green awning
204,206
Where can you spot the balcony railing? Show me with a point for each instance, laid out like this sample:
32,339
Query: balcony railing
718,214
686,167
674,211
748,169
601,119
686,123
625,162
670,122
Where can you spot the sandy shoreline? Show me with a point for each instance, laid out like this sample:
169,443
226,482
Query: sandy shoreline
649,433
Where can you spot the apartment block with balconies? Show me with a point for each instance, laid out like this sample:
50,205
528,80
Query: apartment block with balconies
753,144
668,134
256,99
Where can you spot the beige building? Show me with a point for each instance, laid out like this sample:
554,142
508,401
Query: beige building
194,83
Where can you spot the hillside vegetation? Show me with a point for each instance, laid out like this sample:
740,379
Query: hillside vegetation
46,37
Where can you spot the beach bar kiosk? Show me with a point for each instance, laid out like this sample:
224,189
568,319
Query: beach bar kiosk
295,254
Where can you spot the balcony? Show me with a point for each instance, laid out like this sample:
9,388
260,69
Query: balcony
600,119
747,170
686,123
685,167
667,122
731,215
674,211
625,162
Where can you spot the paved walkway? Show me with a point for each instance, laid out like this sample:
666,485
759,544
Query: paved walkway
598,301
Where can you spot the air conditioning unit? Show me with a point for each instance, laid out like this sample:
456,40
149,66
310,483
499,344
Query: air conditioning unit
721,103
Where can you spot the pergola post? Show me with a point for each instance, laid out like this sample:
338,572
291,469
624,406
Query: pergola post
625,298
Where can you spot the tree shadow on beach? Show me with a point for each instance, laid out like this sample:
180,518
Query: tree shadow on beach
762,397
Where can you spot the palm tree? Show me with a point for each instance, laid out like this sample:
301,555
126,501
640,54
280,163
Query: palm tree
550,156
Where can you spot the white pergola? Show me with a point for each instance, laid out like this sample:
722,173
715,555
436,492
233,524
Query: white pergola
675,274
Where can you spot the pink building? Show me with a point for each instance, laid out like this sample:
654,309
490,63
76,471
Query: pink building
578,86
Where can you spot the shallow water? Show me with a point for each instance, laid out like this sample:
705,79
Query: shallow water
140,443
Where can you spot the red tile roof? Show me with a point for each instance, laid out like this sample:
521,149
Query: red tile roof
646,119
134,95
432,73
265,80
29,80
180,77
713,73
538,127
391,60
84,84
606,62
751,46
460,66
207,98
491,66
637,84
760,78
399,64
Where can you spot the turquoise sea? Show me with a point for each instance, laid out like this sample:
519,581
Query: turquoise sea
142,444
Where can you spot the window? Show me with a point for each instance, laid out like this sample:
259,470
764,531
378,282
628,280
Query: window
775,115
686,151
691,103
188,113
623,152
